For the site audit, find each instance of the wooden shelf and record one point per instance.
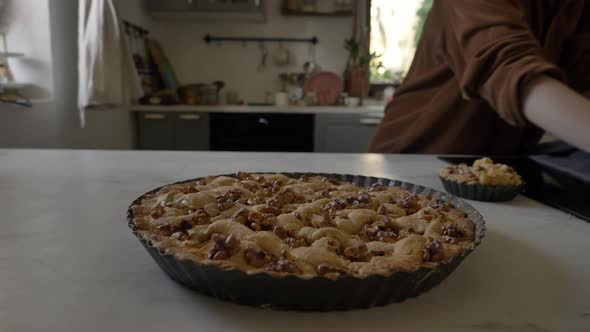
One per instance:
(287, 12)
(11, 54)
(13, 86)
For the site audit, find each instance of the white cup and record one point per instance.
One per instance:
(281, 99)
(352, 101)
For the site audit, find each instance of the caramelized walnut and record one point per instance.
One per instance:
(275, 203)
(283, 264)
(329, 271)
(198, 217)
(383, 224)
(438, 204)
(224, 246)
(357, 253)
(266, 221)
(280, 232)
(232, 242)
(255, 257)
(296, 243)
(362, 197)
(304, 178)
(450, 232)
(431, 250)
(244, 176)
(377, 253)
(409, 204)
(176, 226)
(272, 210)
(189, 190)
(377, 187)
(235, 193)
(225, 201)
(255, 226)
(335, 205)
(332, 181)
(241, 216)
(375, 234)
(256, 200)
(276, 186)
(180, 236)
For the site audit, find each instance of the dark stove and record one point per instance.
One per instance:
(556, 175)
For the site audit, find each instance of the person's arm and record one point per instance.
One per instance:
(555, 107)
(495, 57)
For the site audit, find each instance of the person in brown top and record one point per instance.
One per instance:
(489, 77)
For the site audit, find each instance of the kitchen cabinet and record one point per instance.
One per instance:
(262, 132)
(254, 129)
(207, 10)
(173, 131)
(344, 132)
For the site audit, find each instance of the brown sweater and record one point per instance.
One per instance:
(462, 93)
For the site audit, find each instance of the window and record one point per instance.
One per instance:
(396, 26)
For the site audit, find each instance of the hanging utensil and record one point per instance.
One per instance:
(311, 66)
(263, 57)
(281, 56)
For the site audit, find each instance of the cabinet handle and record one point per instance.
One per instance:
(189, 117)
(154, 116)
(371, 122)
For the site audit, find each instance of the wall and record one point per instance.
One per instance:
(105, 129)
(54, 122)
(20, 127)
(195, 61)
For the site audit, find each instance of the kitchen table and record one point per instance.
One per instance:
(68, 262)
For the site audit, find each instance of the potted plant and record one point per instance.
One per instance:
(357, 72)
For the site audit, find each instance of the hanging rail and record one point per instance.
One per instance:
(134, 27)
(209, 39)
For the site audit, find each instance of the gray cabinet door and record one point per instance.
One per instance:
(191, 131)
(155, 131)
(172, 131)
(343, 132)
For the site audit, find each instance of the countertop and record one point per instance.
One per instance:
(376, 110)
(69, 263)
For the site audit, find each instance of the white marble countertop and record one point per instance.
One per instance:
(69, 263)
(368, 109)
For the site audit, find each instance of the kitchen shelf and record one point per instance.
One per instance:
(11, 54)
(287, 12)
(13, 86)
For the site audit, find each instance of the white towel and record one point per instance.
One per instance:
(106, 72)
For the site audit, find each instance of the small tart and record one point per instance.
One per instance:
(484, 172)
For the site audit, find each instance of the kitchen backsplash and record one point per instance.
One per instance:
(197, 62)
